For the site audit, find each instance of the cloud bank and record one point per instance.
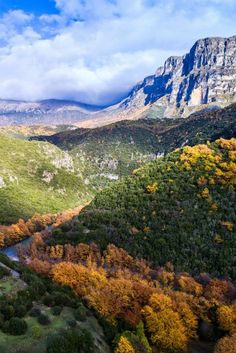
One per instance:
(94, 51)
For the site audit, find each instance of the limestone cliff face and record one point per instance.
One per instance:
(204, 76)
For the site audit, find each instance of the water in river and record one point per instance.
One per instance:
(11, 251)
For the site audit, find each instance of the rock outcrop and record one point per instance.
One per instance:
(204, 76)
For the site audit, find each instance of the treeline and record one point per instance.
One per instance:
(13, 234)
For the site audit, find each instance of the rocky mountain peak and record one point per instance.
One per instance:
(204, 76)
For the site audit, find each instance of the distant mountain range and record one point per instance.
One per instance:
(46, 112)
(205, 78)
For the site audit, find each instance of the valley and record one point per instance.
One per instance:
(118, 223)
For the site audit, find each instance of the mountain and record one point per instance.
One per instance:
(36, 177)
(47, 112)
(205, 78)
(206, 75)
(180, 208)
(108, 153)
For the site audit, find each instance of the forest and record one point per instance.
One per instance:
(152, 257)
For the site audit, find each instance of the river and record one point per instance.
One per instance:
(11, 251)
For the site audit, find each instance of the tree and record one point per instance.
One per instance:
(124, 346)
(226, 316)
(17, 326)
(142, 337)
(226, 345)
(164, 324)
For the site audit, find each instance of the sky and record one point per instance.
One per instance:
(95, 51)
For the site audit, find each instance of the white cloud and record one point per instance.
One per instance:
(112, 45)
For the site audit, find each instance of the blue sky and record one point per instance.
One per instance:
(94, 51)
(33, 6)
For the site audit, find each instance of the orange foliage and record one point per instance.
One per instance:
(226, 345)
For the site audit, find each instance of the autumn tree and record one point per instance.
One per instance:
(124, 346)
(226, 345)
(165, 326)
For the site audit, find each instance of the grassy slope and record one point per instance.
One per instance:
(21, 131)
(24, 189)
(177, 222)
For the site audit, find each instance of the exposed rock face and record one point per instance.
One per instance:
(206, 75)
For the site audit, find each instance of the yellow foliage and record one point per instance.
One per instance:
(214, 207)
(78, 277)
(189, 319)
(152, 188)
(227, 144)
(205, 193)
(2, 240)
(227, 318)
(147, 230)
(124, 346)
(189, 285)
(218, 239)
(165, 326)
(226, 345)
(228, 225)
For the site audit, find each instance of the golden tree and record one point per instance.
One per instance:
(164, 324)
(124, 346)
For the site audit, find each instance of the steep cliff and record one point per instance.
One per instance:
(204, 76)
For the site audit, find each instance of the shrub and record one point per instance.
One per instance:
(36, 332)
(58, 344)
(80, 313)
(1, 320)
(8, 311)
(4, 272)
(72, 323)
(56, 310)
(20, 311)
(61, 298)
(86, 342)
(35, 312)
(17, 326)
(48, 300)
(5, 327)
(43, 319)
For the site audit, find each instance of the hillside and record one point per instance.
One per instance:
(180, 208)
(110, 152)
(36, 177)
(39, 316)
(25, 131)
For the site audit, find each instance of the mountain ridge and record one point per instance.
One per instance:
(204, 78)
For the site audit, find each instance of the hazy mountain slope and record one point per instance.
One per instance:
(110, 152)
(180, 208)
(47, 112)
(36, 177)
(25, 131)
